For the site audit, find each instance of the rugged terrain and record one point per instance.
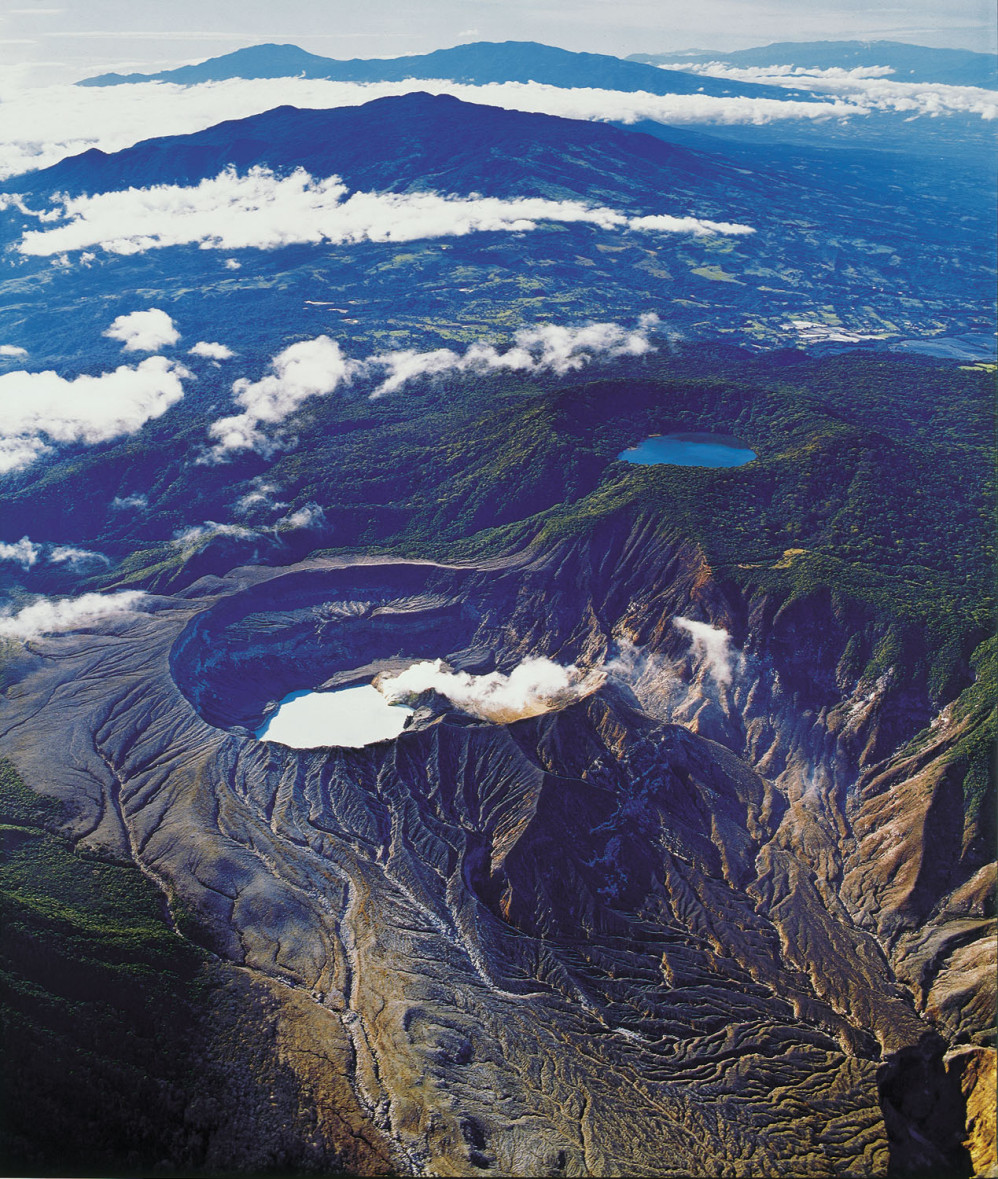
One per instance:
(749, 902)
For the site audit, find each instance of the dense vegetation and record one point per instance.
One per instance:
(97, 1000)
(123, 1044)
(873, 478)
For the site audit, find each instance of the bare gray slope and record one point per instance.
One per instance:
(592, 942)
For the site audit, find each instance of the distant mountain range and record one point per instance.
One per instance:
(910, 63)
(483, 62)
(961, 135)
(480, 64)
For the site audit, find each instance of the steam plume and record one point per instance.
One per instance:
(711, 645)
(535, 686)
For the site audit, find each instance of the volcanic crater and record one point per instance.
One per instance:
(668, 887)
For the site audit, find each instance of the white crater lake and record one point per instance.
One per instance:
(349, 716)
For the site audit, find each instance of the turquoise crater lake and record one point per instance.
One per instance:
(689, 450)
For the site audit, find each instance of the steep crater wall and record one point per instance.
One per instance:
(321, 628)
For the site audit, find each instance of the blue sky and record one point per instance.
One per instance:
(49, 40)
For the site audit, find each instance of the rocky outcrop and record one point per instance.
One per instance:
(652, 932)
(973, 1069)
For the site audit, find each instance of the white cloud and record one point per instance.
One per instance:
(12, 350)
(250, 502)
(40, 126)
(536, 686)
(777, 75)
(308, 516)
(259, 498)
(75, 558)
(868, 88)
(16, 453)
(50, 616)
(24, 551)
(545, 347)
(311, 368)
(45, 124)
(39, 408)
(318, 367)
(711, 644)
(619, 106)
(14, 200)
(211, 351)
(660, 223)
(144, 331)
(232, 264)
(198, 535)
(263, 211)
(129, 501)
(27, 554)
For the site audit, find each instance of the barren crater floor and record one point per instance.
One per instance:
(689, 924)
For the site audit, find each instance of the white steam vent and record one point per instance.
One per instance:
(711, 645)
(537, 685)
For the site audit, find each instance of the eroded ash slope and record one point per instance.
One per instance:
(700, 920)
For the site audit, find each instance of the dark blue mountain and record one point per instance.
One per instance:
(419, 141)
(911, 63)
(412, 141)
(480, 63)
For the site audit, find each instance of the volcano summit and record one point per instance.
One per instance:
(678, 859)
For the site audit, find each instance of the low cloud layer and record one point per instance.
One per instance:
(711, 645)
(868, 88)
(318, 367)
(260, 498)
(144, 331)
(23, 552)
(79, 560)
(536, 686)
(310, 368)
(41, 408)
(310, 515)
(260, 210)
(191, 539)
(119, 503)
(27, 553)
(195, 537)
(547, 347)
(46, 616)
(44, 125)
